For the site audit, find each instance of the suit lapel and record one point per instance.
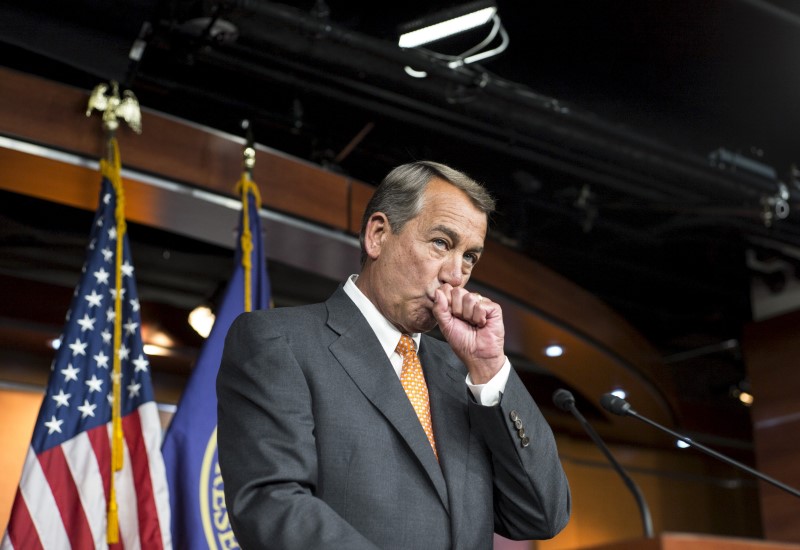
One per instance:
(447, 390)
(360, 354)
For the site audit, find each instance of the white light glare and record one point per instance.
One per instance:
(554, 351)
(446, 28)
(201, 320)
(155, 349)
(746, 398)
(55, 343)
(622, 394)
(681, 444)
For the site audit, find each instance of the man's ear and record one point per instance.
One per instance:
(375, 235)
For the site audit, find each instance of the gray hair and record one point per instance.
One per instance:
(400, 194)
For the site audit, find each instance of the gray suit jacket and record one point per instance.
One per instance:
(319, 446)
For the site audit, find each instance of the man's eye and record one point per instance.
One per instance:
(440, 243)
(471, 259)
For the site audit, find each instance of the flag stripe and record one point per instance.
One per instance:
(128, 513)
(83, 466)
(56, 471)
(148, 414)
(149, 528)
(100, 441)
(39, 503)
(21, 527)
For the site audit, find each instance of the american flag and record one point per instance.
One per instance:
(63, 495)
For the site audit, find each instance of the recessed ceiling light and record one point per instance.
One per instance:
(554, 350)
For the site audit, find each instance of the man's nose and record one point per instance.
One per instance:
(451, 273)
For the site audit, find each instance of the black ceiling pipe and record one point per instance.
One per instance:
(630, 147)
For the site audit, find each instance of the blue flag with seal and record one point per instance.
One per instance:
(199, 516)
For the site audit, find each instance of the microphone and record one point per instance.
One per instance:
(617, 405)
(565, 401)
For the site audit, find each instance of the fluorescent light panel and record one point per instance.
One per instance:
(446, 28)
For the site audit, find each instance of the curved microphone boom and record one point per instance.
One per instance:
(617, 405)
(565, 401)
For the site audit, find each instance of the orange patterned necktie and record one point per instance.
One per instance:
(413, 381)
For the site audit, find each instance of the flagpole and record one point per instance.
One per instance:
(113, 108)
(245, 187)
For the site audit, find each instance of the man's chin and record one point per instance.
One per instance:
(424, 323)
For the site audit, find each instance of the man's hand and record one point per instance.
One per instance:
(473, 326)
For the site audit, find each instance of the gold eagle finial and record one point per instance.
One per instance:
(115, 107)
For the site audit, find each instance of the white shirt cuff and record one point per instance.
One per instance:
(488, 394)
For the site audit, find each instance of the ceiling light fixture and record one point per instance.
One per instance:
(446, 23)
(454, 21)
(554, 350)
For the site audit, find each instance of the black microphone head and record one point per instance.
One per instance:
(616, 405)
(563, 399)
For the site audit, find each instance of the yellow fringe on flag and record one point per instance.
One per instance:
(112, 170)
(246, 186)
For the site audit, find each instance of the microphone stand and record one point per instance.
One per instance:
(621, 407)
(565, 401)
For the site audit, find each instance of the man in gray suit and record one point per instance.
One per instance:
(324, 443)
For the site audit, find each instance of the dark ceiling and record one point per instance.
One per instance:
(644, 150)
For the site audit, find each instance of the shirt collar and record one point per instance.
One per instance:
(386, 332)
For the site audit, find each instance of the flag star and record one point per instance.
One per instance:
(102, 276)
(130, 327)
(87, 409)
(108, 254)
(112, 233)
(116, 376)
(94, 298)
(114, 293)
(133, 390)
(87, 323)
(141, 363)
(110, 314)
(127, 269)
(102, 360)
(78, 347)
(107, 199)
(135, 304)
(110, 398)
(95, 384)
(62, 398)
(53, 425)
(123, 352)
(70, 373)
(106, 336)
(99, 222)
(92, 243)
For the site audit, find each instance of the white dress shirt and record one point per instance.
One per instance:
(487, 394)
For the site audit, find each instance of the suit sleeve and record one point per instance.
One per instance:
(531, 493)
(267, 451)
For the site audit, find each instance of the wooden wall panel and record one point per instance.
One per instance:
(771, 348)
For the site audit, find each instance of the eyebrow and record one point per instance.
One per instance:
(453, 236)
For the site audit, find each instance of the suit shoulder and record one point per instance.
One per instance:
(278, 320)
